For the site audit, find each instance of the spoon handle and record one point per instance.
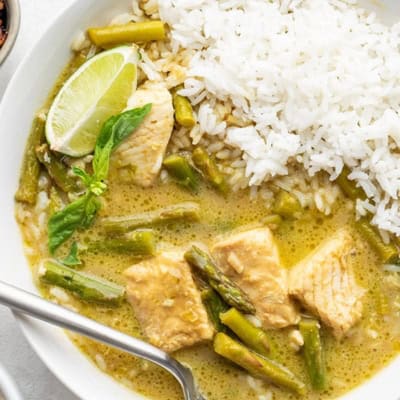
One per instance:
(27, 303)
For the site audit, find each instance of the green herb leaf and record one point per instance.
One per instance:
(97, 188)
(80, 213)
(85, 177)
(91, 207)
(114, 131)
(72, 259)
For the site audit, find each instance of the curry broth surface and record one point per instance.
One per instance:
(349, 362)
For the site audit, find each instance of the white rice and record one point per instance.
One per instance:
(80, 42)
(60, 294)
(268, 396)
(254, 320)
(318, 79)
(100, 361)
(259, 387)
(372, 333)
(296, 340)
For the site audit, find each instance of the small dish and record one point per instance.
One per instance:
(12, 24)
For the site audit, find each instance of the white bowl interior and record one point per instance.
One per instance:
(26, 93)
(8, 388)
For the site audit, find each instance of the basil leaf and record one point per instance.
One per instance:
(85, 177)
(92, 205)
(78, 214)
(72, 259)
(81, 213)
(114, 131)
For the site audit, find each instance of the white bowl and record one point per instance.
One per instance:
(26, 93)
(8, 388)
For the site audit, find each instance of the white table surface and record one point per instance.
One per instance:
(35, 381)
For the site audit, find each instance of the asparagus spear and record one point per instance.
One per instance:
(56, 169)
(388, 252)
(136, 243)
(252, 336)
(184, 115)
(181, 211)
(349, 187)
(313, 353)
(231, 293)
(55, 203)
(28, 182)
(131, 32)
(183, 173)
(256, 364)
(210, 169)
(286, 205)
(86, 286)
(215, 306)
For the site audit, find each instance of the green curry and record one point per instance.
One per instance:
(364, 350)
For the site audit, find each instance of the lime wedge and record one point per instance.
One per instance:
(99, 89)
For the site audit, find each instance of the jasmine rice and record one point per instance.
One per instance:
(319, 84)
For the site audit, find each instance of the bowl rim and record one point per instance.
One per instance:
(14, 16)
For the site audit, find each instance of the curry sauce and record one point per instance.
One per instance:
(366, 349)
(349, 362)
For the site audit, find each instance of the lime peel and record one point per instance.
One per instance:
(99, 89)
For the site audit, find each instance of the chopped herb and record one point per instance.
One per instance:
(72, 259)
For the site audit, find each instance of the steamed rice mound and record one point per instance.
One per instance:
(312, 82)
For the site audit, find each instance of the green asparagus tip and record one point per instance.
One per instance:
(257, 365)
(227, 289)
(182, 172)
(313, 353)
(207, 165)
(251, 335)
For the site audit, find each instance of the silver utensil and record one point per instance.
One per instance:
(27, 303)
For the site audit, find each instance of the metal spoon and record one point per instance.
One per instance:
(35, 306)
